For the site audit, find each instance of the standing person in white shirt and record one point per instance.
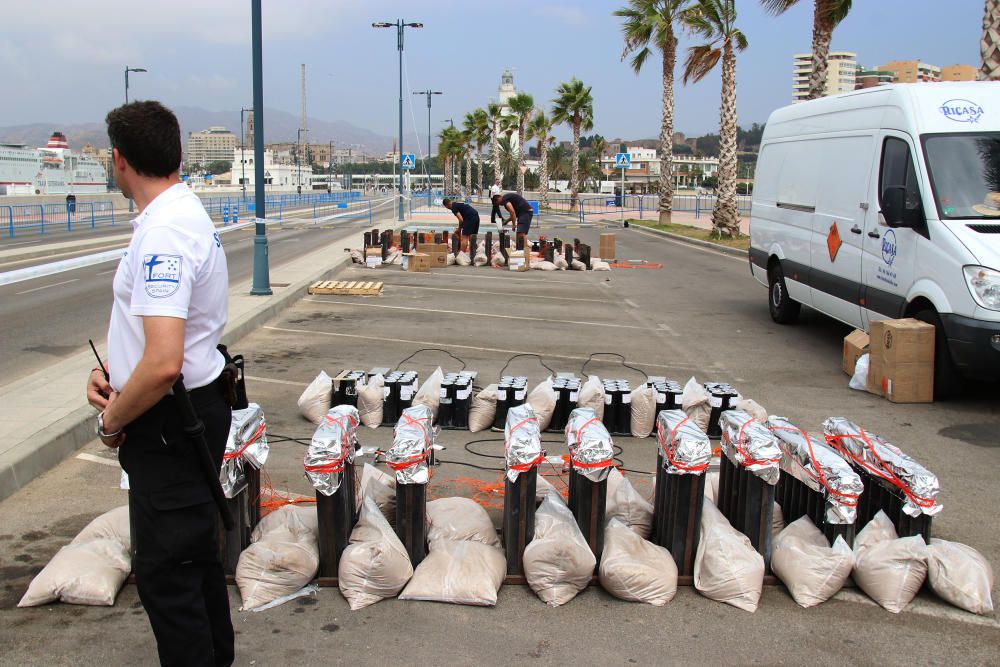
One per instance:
(495, 190)
(170, 308)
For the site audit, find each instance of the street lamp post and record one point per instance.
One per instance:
(400, 26)
(427, 161)
(243, 161)
(261, 272)
(329, 170)
(298, 164)
(127, 70)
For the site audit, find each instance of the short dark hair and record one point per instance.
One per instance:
(496, 197)
(148, 136)
(445, 202)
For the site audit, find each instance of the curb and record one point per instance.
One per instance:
(61, 439)
(735, 252)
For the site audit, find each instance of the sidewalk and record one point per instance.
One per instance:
(45, 417)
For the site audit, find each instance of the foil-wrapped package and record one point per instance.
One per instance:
(247, 443)
(522, 441)
(751, 445)
(919, 486)
(411, 443)
(810, 460)
(332, 446)
(590, 446)
(686, 449)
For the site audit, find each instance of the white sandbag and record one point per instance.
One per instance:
(542, 488)
(889, 569)
(375, 565)
(458, 573)
(643, 411)
(542, 400)
(483, 409)
(577, 265)
(803, 559)
(89, 570)
(712, 486)
(726, 567)
(859, 380)
(560, 262)
(543, 265)
(636, 570)
(314, 402)
(695, 403)
(600, 266)
(450, 261)
(777, 520)
(558, 563)
(960, 575)
(381, 487)
(625, 504)
(459, 519)
(463, 259)
(752, 408)
(371, 399)
(283, 558)
(429, 393)
(592, 396)
(498, 259)
(357, 257)
(480, 258)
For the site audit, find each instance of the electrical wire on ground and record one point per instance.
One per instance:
(583, 368)
(431, 349)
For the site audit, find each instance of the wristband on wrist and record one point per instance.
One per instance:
(100, 428)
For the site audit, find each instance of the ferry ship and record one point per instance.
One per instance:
(54, 169)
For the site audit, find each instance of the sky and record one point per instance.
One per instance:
(63, 61)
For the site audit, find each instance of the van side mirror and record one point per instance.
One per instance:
(894, 205)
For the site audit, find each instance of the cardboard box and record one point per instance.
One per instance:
(607, 247)
(438, 253)
(855, 345)
(901, 366)
(416, 262)
(372, 252)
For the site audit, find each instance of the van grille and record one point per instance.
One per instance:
(985, 229)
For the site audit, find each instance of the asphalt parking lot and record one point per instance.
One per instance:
(701, 315)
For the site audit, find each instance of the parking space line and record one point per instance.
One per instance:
(93, 458)
(924, 608)
(35, 289)
(437, 343)
(508, 294)
(494, 315)
(256, 378)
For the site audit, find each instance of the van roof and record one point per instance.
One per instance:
(917, 108)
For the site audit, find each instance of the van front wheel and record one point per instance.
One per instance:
(947, 379)
(783, 309)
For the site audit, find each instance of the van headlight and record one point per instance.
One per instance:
(985, 286)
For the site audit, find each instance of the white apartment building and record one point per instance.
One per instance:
(841, 74)
(211, 145)
(643, 175)
(278, 175)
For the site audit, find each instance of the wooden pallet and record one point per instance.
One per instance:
(342, 287)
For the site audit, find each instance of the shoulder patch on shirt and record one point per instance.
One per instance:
(161, 274)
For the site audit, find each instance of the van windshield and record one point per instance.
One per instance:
(965, 174)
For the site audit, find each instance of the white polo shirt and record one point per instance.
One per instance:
(495, 190)
(174, 267)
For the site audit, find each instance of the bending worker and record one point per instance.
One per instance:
(468, 220)
(170, 307)
(517, 208)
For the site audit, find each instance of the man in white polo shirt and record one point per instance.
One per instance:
(495, 190)
(170, 308)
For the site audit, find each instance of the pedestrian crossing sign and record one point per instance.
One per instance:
(408, 161)
(623, 160)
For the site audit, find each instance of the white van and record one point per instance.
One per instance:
(885, 203)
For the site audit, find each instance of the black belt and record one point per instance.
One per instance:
(210, 391)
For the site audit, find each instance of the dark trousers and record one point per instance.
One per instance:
(494, 213)
(177, 569)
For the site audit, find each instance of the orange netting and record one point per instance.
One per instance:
(636, 264)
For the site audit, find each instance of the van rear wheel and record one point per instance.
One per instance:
(947, 379)
(783, 309)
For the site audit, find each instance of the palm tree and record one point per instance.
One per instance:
(652, 21)
(540, 128)
(575, 106)
(494, 118)
(827, 14)
(507, 127)
(468, 142)
(557, 161)
(715, 20)
(599, 146)
(450, 146)
(989, 46)
(480, 128)
(521, 105)
(507, 154)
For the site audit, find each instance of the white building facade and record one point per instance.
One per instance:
(841, 74)
(278, 175)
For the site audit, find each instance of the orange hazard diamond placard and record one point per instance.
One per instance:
(833, 242)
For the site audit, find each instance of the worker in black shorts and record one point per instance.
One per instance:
(468, 220)
(518, 209)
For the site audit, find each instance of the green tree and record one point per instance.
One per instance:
(558, 162)
(715, 21)
(540, 129)
(521, 105)
(494, 118)
(574, 105)
(218, 166)
(508, 159)
(651, 22)
(478, 123)
(827, 14)
(599, 147)
(451, 146)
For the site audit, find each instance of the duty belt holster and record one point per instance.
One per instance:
(232, 379)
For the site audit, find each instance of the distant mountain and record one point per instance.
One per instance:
(279, 126)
